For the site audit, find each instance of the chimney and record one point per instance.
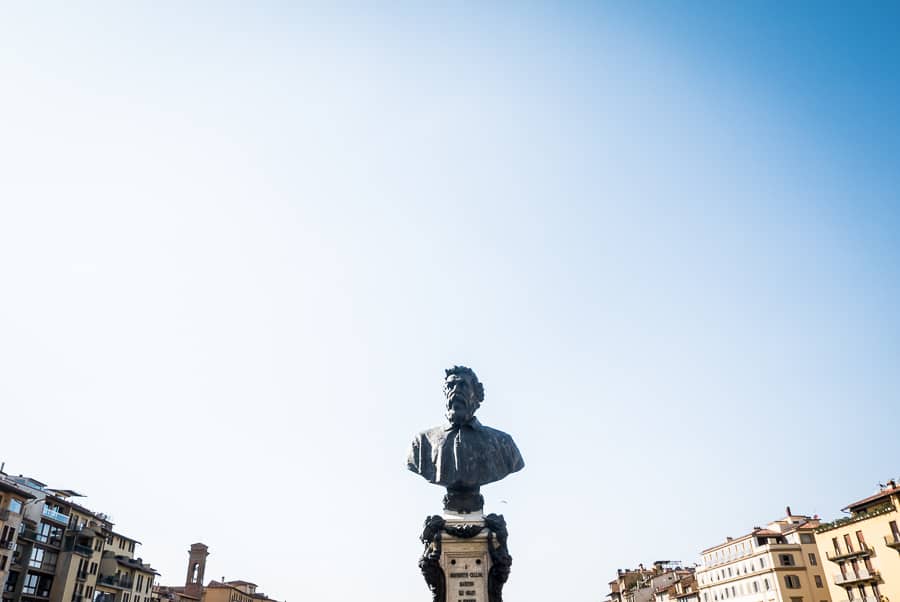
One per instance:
(788, 510)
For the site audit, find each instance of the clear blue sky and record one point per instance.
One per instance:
(240, 242)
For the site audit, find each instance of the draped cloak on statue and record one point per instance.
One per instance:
(464, 457)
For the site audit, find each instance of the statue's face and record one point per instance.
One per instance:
(461, 401)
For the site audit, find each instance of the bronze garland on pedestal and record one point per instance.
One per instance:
(430, 561)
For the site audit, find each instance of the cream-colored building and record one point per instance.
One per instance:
(78, 561)
(64, 552)
(863, 549)
(657, 584)
(12, 508)
(123, 578)
(778, 563)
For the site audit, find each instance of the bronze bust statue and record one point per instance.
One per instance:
(463, 455)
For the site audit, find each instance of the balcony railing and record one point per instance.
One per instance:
(35, 592)
(866, 599)
(55, 515)
(837, 555)
(81, 575)
(892, 541)
(122, 581)
(862, 575)
(53, 540)
(46, 567)
(7, 544)
(4, 514)
(80, 549)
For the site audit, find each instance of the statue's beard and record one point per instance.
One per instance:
(458, 411)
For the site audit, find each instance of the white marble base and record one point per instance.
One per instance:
(465, 562)
(463, 517)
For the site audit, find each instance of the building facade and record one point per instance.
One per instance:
(863, 549)
(778, 563)
(193, 589)
(12, 507)
(63, 552)
(656, 584)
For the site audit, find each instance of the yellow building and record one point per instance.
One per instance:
(78, 562)
(63, 552)
(778, 563)
(12, 506)
(123, 578)
(863, 549)
(232, 591)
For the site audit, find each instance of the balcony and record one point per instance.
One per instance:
(55, 515)
(7, 544)
(120, 581)
(862, 575)
(83, 550)
(31, 535)
(892, 541)
(34, 592)
(4, 514)
(866, 599)
(837, 555)
(44, 567)
(81, 575)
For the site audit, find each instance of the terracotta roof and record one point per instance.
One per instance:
(766, 533)
(173, 589)
(229, 585)
(807, 524)
(887, 492)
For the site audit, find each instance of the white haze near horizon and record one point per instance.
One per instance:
(240, 243)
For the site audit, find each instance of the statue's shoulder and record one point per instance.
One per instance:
(503, 443)
(496, 433)
(431, 435)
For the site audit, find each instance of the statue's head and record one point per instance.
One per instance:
(464, 394)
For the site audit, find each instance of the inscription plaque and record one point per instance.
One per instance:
(466, 573)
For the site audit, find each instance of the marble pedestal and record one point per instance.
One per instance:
(465, 557)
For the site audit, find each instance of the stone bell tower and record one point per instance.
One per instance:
(193, 584)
